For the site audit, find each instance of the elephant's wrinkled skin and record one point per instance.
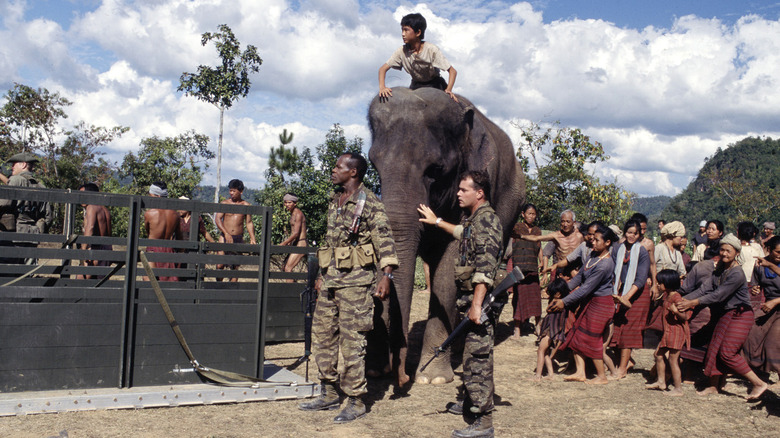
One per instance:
(421, 141)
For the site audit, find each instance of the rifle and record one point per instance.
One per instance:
(514, 277)
(308, 303)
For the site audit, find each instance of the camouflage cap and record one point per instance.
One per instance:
(24, 157)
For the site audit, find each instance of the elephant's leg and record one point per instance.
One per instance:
(400, 306)
(442, 314)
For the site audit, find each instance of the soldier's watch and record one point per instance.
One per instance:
(438, 221)
(388, 275)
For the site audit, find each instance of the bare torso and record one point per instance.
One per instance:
(162, 224)
(565, 244)
(97, 221)
(297, 229)
(232, 224)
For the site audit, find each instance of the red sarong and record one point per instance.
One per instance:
(629, 323)
(586, 337)
(730, 333)
(162, 265)
(527, 298)
(676, 332)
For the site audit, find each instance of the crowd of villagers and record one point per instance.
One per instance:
(611, 290)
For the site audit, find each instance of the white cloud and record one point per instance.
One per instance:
(660, 100)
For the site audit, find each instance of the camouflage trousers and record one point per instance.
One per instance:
(342, 318)
(478, 366)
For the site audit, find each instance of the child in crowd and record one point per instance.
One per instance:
(551, 331)
(676, 332)
(422, 60)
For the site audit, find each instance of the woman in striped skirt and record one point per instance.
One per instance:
(726, 294)
(631, 295)
(593, 284)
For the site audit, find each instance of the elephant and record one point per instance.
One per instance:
(421, 141)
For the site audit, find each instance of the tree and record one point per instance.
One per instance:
(310, 181)
(560, 179)
(178, 161)
(224, 84)
(30, 122)
(739, 183)
(79, 158)
(283, 160)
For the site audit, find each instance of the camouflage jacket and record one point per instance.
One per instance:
(27, 213)
(479, 246)
(348, 260)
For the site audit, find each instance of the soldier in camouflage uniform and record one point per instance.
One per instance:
(24, 216)
(479, 237)
(357, 243)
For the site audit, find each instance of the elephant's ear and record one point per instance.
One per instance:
(468, 117)
(478, 151)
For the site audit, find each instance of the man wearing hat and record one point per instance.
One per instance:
(19, 215)
(297, 235)
(667, 253)
(769, 232)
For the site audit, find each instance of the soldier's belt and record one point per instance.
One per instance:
(348, 257)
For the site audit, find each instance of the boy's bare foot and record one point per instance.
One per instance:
(549, 378)
(688, 382)
(597, 381)
(674, 392)
(708, 390)
(574, 378)
(617, 376)
(534, 379)
(656, 385)
(757, 391)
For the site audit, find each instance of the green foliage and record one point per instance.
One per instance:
(30, 120)
(739, 183)
(283, 160)
(178, 161)
(224, 84)
(651, 206)
(561, 181)
(310, 181)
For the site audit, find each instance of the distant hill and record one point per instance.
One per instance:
(651, 206)
(740, 182)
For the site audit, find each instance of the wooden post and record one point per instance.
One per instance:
(127, 343)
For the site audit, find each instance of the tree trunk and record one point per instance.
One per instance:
(219, 154)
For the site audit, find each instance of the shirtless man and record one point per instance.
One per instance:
(566, 240)
(297, 231)
(97, 222)
(162, 225)
(232, 224)
(649, 245)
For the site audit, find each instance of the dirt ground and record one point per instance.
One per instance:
(524, 408)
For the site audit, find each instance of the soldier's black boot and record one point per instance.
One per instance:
(482, 427)
(328, 399)
(354, 409)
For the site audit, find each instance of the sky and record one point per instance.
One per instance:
(662, 84)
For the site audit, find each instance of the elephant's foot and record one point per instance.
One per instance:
(436, 374)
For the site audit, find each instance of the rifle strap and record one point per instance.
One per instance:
(226, 378)
(355, 227)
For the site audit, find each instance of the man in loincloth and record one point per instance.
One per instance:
(232, 224)
(97, 222)
(566, 240)
(163, 225)
(297, 235)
